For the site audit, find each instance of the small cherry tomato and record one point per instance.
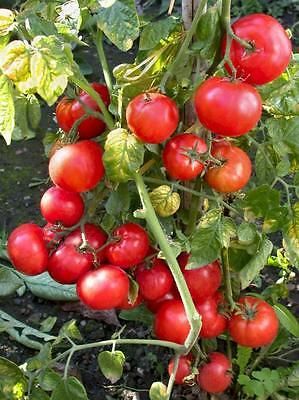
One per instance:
(215, 376)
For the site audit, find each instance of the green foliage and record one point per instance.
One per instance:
(287, 319)
(69, 389)
(111, 364)
(158, 391)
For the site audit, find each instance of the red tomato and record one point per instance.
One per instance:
(226, 107)
(68, 111)
(27, 249)
(181, 156)
(270, 55)
(52, 235)
(213, 323)
(154, 305)
(154, 281)
(255, 325)
(77, 167)
(184, 368)
(103, 288)
(61, 206)
(215, 376)
(67, 264)
(153, 117)
(235, 172)
(131, 246)
(171, 322)
(203, 282)
(126, 305)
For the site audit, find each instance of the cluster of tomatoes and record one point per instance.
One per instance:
(102, 267)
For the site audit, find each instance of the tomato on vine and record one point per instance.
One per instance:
(213, 322)
(184, 368)
(215, 375)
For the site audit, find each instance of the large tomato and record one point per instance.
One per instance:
(59, 205)
(215, 376)
(255, 324)
(213, 322)
(77, 167)
(154, 305)
(181, 156)
(184, 368)
(130, 247)
(103, 288)
(171, 322)
(226, 107)
(271, 52)
(68, 111)
(235, 171)
(27, 249)
(154, 281)
(153, 117)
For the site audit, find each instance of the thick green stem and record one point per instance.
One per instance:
(183, 49)
(98, 38)
(81, 82)
(172, 376)
(227, 279)
(157, 231)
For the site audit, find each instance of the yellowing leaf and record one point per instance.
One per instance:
(7, 18)
(165, 201)
(7, 109)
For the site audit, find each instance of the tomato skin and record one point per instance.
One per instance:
(68, 111)
(77, 167)
(178, 164)
(126, 305)
(171, 322)
(234, 174)
(154, 282)
(259, 329)
(59, 205)
(52, 235)
(131, 248)
(27, 249)
(154, 305)
(67, 264)
(104, 288)
(214, 376)
(184, 368)
(272, 49)
(228, 108)
(213, 323)
(152, 117)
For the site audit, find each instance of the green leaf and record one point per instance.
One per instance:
(49, 379)
(284, 134)
(3, 41)
(38, 394)
(48, 324)
(133, 290)
(69, 389)
(13, 383)
(265, 164)
(119, 21)
(256, 263)
(228, 231)
(293, 379)
(118, 201)
(9, 281)
(70, 330)
(138, 314)
(287, 319)
(7, 109)
(41, 359)
(243, 357)
(22, 130)
(246, 233)
(33, 111)
(158, 391)
(111, 364)
(291, 236)
(7, 18)
(154, 32)
(37, 26)
(123, 155)
(260, 200)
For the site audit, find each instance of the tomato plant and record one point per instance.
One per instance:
(215, 375)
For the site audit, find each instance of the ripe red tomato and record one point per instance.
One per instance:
(184, 368)
(226, 107)
(61, 206)
(67, 264)
(215, 376)
(203, 282)
(27, 249)
(154, 281)
(255, 325)
(131, 246)
(103, 288)
(153, 117)
(154, 305)
(181, 156)
(171, 322)
(52, 235)
(213, 322)
(68, 111)
(235, 172)
(270, 55)
(77, 167)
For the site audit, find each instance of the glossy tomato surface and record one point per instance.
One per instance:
(213, 322)
(215, 376)
(154, 305)
(235, 171)
(152, 117)
(255, 325)
(184, 368)
(104, 288)
(77, 167)
(27, 249)
(271, 53)
(130, 247)
(182, 154)
(226, 107)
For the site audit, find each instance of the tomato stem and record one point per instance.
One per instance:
(227, 279)
(172, 376)
(195, 206)
(98, 39)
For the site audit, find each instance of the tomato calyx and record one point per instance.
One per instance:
(247, 311)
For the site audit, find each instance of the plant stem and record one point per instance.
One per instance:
(157, 231)
(183, 49)
(98, 38)
(227, 279)
(66, 368)
(81, 82)
(260, 357)
(194, 209)
(172, 376)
